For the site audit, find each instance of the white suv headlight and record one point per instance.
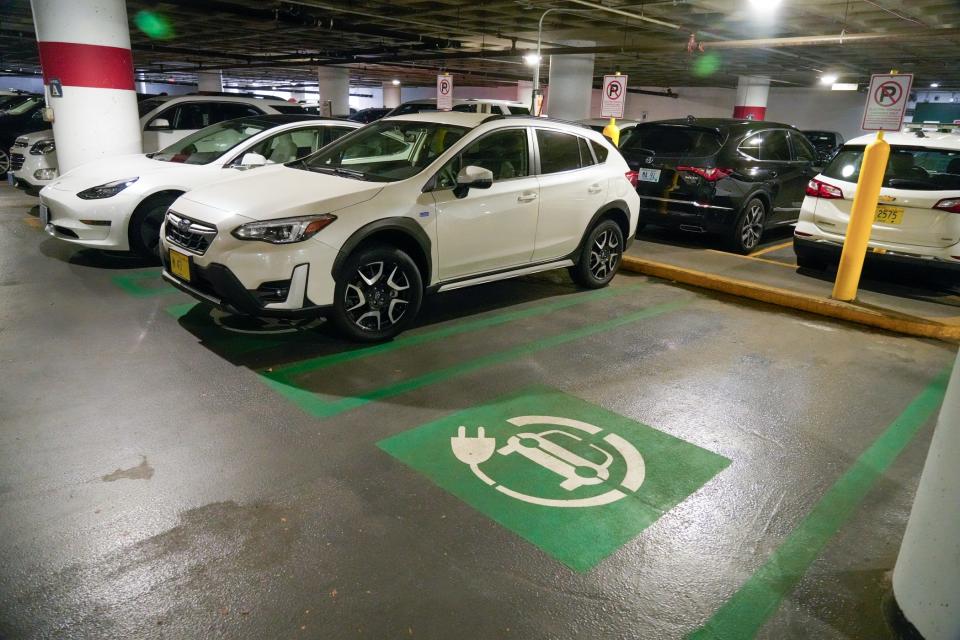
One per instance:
(284, 230)
(43, 147)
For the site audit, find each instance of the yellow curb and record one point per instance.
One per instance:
(866, 315)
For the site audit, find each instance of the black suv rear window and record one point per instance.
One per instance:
(916, 168)
(674, 140)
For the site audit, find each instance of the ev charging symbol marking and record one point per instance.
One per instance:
(545, 449)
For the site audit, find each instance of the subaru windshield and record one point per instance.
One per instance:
(210, 143)
(385, 151)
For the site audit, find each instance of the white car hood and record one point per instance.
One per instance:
(275, 192)
(109, 169)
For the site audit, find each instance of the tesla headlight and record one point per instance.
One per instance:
(107, 190)
(43, 147)
(284, 230)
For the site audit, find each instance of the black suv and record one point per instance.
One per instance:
(736, 178)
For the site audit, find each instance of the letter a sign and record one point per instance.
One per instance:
(614, 97)
(445, 92)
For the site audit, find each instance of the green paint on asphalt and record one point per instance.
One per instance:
(143, 285)
(741, 617)
(177, 311)
(624, 494)
(320, 407)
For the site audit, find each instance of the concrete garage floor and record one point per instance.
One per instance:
(165, 476)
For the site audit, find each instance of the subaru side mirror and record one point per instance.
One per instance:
(473, 177)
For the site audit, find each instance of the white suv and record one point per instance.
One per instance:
(468, 105)
(917, 219)
(429, 202)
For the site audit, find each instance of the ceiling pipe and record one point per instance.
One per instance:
(625, 14)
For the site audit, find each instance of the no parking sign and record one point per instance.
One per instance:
(887, 101)
(445, 92)
(614, 98)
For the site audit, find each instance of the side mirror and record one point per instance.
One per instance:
(250, 160)
(473, 177)
(159, 123)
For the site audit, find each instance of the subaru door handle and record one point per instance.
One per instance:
(526, 197)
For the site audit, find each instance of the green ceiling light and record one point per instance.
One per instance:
(707, 64)
(154, 25)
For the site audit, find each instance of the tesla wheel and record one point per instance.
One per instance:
(600, 257)
(378, 294)
(748, 228)
(4, 162)
(143, 231)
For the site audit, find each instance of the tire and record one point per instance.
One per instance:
(4, 163)
(600, 256)
(143, 231)
(748, 228)
(377, 283)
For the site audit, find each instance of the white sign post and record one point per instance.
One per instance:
(445, 92)
(887, 101)
(614, 98)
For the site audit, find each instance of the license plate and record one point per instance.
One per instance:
(180, 265)
(44, 214)
(649, 175)
(889, 215)
(10, 179)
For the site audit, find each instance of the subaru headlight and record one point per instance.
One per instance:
(43, 147)
(107, 190)
(284, 230)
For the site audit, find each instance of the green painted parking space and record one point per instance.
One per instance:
(143, 284)
(570, 477)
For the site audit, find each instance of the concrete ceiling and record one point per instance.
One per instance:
(482, 42)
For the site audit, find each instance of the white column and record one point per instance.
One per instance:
(926, 579)
(570, 88)
(524, 91)
(209, 81)
(391, 94)
(752, 92)
(334, 85)
(85, 44)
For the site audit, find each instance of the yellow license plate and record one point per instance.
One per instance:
(888, 215)
(180, 265)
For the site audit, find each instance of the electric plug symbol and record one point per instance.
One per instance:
(472, 451)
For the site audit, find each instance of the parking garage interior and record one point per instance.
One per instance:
(539, 319)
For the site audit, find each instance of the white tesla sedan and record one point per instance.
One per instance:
(406, 205)
(119, 203)
(917, 219)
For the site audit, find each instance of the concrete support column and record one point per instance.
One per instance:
(525, 91)
(752, 92)
(334, 85)
(926, 579)
(85, 45)
(391, 94)
(209, 81)
(570, 88)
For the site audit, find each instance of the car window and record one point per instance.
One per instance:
(775, 146)
(558, 151)
(470, 107)
(385, 151)
(802, 148)
(146, 106)
(289, 145)
(519, 111)
(673, 140)
(504, 153)
(626, 134)
(210, 143)
(586, 158)
(600, 151)
(333, 133)
(915, 168)
(292, 108)
(230, 110)
(194, 115)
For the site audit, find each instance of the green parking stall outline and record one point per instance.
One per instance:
(134, 284)
(579, 537)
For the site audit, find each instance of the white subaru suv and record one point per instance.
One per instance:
(917, 219)
(361, 230)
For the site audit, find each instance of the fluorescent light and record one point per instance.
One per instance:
(934, 85)
(765, 5)
(395, 82)
(531, 59)
(845, 86)
(829, 78)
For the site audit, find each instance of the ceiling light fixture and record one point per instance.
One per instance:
(395, 82)
(531, 59)
(934, 85)
(829, 78)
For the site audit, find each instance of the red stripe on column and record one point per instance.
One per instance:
(87, 65)
(750, 113)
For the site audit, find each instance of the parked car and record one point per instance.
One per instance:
(119, 203)
(21, 116)
(33, 161)
(469, 105)
(429, 202)
(627, 127)
(736, 178)
(827, 143)
(917, 220)
(372, 114)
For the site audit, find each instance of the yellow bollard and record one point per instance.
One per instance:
(872, 169)
(612, 131)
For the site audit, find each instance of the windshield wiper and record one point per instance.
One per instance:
(337, 171)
